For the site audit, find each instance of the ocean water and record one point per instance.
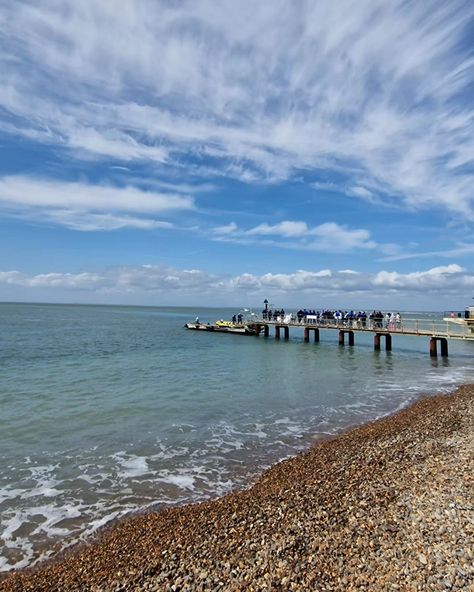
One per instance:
(106, 410)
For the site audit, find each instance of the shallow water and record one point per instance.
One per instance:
(105, 410)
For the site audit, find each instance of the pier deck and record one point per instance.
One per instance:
(437, 331)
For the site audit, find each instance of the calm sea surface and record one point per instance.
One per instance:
(105, 410)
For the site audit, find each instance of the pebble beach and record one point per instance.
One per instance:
(385, 506)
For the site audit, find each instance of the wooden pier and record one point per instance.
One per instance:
(440, 331)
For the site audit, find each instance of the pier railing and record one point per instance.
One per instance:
(406, 326)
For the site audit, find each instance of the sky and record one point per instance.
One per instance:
(311, 153)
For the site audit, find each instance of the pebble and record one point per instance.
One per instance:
(385, 506)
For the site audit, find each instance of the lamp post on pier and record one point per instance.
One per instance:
(265, 311)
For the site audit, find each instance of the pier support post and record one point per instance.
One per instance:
(341, 337)
(266, 331)
(377, 342)
(444, 347)
(287, 333)
(277, 332)
(388, 341)
(434, 349)
(307, 331)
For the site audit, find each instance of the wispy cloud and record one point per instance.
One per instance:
(329, 237)
(84, 206)
(86, 221)
(461, 249)
(368, 88)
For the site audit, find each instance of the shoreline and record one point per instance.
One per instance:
(387, 505)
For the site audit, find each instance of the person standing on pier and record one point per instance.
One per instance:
(392, 322)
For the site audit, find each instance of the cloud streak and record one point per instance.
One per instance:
(368, 88)
(83, 206)
(327, 237)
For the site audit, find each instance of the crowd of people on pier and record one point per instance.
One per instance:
(273, 315)
(344, 318)
(357, 319)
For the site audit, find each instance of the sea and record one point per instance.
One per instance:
(107, 410)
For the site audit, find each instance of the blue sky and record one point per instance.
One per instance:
(219, 153)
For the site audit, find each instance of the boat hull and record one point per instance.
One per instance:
(235, 330)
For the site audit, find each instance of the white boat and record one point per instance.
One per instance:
(465, 319)
(222, 327)
(198, 326)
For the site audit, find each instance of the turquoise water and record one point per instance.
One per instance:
(106, 410)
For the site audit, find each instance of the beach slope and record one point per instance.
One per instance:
(385, 506)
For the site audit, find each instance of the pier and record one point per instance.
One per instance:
(437, 331)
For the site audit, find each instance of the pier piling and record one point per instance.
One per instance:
(307, 331)
(342, 332)
(441, 334)
(388, 341)
(433, 347)
(286, 331)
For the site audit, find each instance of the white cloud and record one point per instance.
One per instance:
(34, 192)
(226, 229)
(436, 278)
(83, 206)
(114, 144)
(367, 88)
(337, 237)
(460, 249)
(91, 222)
(300, 280)
(287, 228)
(362, 192)
(325, 283)
(327, 237)
(79, 281)
(120, 280)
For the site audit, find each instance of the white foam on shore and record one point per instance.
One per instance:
(132, 466)
(175, 470)
(289, 427)
(169, 452)
(181, 481)
(9, 494)
(90, 479)
(26, 549)
(42, 520)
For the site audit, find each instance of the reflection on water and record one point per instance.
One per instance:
(382, 362)
(440, 362)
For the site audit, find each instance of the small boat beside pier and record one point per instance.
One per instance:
(222, 327)
(462, 319)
